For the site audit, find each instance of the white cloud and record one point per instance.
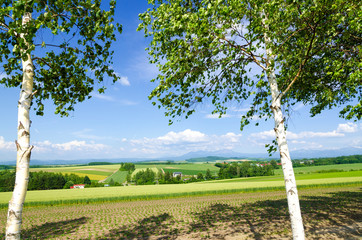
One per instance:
(124, 81)
(112, 99)
(81, 146)
(182, 137)
(87, 134)
(263, 135)
(231, 137)
(127, 102)
(104, 97)
(309, 134)
(292, 136)
(4, 145)
(75, 145)
(235, 109)
(216, 116)
(347, 127)
(174, 143)
(306, 146)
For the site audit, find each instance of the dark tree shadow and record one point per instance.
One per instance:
(336, 215)
(54, 229)
(332, 216)
(160, 225)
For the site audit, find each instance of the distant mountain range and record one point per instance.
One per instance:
(223, 153)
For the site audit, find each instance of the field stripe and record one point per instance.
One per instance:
(162, 191)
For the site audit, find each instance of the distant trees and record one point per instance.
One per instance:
(99, 163)
(208, 175)
(338, 160)
(129, 167)
(244, 169)
(42, 180)
(327, 161)
(68, 184)
(200, 176)
(87, 180)
(167, 178)
(46, 180)
(274, 164)
(144, 177)
(7, 180)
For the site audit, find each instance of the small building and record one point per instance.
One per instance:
(175, 174)
(78, 186)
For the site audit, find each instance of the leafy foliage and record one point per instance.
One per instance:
(69, 43)
(129, 167)
(245, 169)
(208, 51)
(144, 177)
(42, 180)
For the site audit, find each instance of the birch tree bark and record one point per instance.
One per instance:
(14, 219)
(65, 71)
(206, 50)
(280, 133)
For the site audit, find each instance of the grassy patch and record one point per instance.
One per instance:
(138, 169)
(306, 170)
(119, 176)
(91, 176)
(96, 172)
(328, 213)
(66, 196)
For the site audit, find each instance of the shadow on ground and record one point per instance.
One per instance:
(325, 217)
(160, 225)
(54, 229)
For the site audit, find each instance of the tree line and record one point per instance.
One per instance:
(328, 161)
(245, 169)
(43, 180)
(226, 171)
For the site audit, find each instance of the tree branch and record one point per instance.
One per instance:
(42, 60)
(301, 65)
(246, 52)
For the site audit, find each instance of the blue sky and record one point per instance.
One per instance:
(123, 123)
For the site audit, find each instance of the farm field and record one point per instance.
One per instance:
(186, 169)
(119, 176)
(94, 172)
(312, 175)
(102, 172)
(328, 213)
(306, 170)
(173, 190)
(138, 169)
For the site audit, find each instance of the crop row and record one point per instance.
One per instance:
(82, 199)
(264, 215)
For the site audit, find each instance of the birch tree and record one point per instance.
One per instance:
(271, 54)
(56, 50)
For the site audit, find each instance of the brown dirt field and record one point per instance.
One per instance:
(328, 213)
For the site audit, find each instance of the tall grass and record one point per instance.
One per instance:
(176, 195)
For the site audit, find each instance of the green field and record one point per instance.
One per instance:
(138, 169)
(234, 208)
(94, 172)
(305, 170)
(119, 176)
(186, 169)
(328, 213)
(103, 172)
(309, 176)
(154, 191)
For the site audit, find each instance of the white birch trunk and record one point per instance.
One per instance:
(280, 133)
(13, 226)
